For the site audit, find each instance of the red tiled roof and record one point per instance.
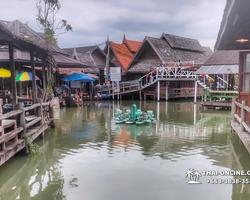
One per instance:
(133, 45)
(122, 53)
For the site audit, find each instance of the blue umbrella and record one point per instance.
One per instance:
(78, 77)
(65, 87)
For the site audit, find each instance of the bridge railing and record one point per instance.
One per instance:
(160, 73)
(243, 111)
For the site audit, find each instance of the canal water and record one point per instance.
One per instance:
(88, 157)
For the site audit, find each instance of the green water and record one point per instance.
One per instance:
(88, 157)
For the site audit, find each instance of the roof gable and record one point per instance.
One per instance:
(133, 46)
(122, 53)
(177, 42)
(24, 31)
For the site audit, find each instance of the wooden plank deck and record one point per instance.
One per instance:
(223, 92)
(217, 104)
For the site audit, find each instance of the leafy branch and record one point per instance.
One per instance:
(48, 22)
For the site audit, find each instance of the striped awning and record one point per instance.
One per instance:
(218, 69)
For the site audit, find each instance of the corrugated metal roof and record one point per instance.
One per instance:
(218, 69)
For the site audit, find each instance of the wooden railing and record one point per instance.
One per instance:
(16, 125)
(244, 110)
(160, 74)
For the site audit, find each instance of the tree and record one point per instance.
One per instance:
(49, 23)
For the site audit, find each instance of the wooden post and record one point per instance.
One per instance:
(22, 122)
(113, 90)
(118, 88)
(34, 92)
(195, 92)
(13, 76)
(20, 82)
(233, 110)
(158, 91)
(145, 96)
(40, 114)
(243, 115)
(140, 95)
(44, 77)
(166, 90)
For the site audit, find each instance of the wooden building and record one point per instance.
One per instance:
(168, 48)
(122, 54)
(24, 123)
(234, 35)
(92, 56)
(222, 66)
(60, 58)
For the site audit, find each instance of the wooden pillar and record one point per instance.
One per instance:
(44, 77)
(158, 91)
(233, 110)
(34, 89)
(195, 92)
(145, 96)
(140, 95)
(13, 76)
(243, 115)
(20, 82)
(113, 90)
(166, 90)
(22, 122)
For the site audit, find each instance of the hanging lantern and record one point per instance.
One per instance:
(140, 80)
(173, 64)
(154, 71)
(172, 68)
(147, 75)
(202, 75)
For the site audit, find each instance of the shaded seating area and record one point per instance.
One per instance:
(21, 121)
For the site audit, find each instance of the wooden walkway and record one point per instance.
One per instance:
(145, 82)
(239, 123)
(29, 122)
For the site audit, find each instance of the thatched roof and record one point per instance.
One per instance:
(24, 56)
(6, 35)
(82, 50)
(182, 43)
(23, 31)
(85, 55)
(235, 25)
(223, 57)
(167, 49)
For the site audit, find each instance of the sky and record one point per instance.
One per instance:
(94, 20)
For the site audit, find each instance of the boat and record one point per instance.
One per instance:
(119, 122)
(140, 122)
(129, 122)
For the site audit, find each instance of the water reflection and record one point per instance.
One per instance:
(88, 155)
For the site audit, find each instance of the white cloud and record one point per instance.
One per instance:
(93, 20)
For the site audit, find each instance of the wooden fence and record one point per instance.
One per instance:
(16, 125)
(244, 110)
